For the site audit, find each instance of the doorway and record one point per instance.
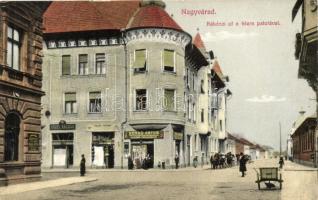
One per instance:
(140, 150)
(11, 137)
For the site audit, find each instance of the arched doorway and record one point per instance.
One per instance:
(11, 137)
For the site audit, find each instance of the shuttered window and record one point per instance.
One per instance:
(95, 102)
(100, 64)
(66, 65)
(140, 60)
(169, 103)
(70, 103)
(82, 64)
(168, 60)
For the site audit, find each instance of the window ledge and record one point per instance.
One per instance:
(70, 114)
(140, 111)
(169, 72)
(90, 113)
(142, 72)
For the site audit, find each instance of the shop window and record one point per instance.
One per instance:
(66, 65)
(70, 103)
(13, 48)
(168, 61)
(140, 62)
(11, 137)
(100, 67)
(95, 102)
(63, 151)
(141, 99)
(169, 100)
(83, 64)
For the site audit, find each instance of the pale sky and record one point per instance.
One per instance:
(259, 61)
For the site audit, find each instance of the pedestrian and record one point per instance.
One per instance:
(130, 163)
(176, 159)
(242, 164)
(281, 162)
(211, 161)
(82, 166)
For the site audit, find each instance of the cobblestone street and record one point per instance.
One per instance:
(187, 183)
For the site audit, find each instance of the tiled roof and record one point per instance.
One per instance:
(78, 16)
(153, 16)
(217, 69)
(198, 41)
(75, 16)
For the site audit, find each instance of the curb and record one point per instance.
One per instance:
(26, 187)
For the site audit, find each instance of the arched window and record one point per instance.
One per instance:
(11, 137)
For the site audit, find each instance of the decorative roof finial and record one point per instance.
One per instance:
(159, 3)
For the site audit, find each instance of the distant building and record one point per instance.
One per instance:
(20, 94)
(303, 137)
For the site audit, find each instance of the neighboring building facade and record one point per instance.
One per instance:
(120, 86)
(20, 90)
(303, 138)
(307, 51)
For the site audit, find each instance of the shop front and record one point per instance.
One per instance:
(103, 154)
(142, 146)
(62, 149)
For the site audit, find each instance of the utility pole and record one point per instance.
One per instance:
(280, 139)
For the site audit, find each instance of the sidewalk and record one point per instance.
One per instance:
(64, 170)
(25, 187)
(291, 166)
(300, 182)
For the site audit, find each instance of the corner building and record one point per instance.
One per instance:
(20, 90)
(115, 82)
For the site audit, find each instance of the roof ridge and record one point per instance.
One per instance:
(131, 19)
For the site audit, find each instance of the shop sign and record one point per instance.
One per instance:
(33, 142)
(144, 135)
(177, 136)
(62, 126)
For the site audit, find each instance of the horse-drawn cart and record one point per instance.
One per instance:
(268, 174)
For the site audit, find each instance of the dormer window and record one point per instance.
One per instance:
(13, 48)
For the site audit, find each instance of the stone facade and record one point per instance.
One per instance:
(20, 90)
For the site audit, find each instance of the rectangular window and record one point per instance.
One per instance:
(100, 67)
(169, 100)
(202, 86)
(70, 105)
(66, 65)
(140, 62)
(82, 64)
(202, 115)
(187, 77)
(194, 113)
(13, 48)
(95, 102)
(193, 84)
(221, 125)
(168, 61)
(141, 99)
(188, 110)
